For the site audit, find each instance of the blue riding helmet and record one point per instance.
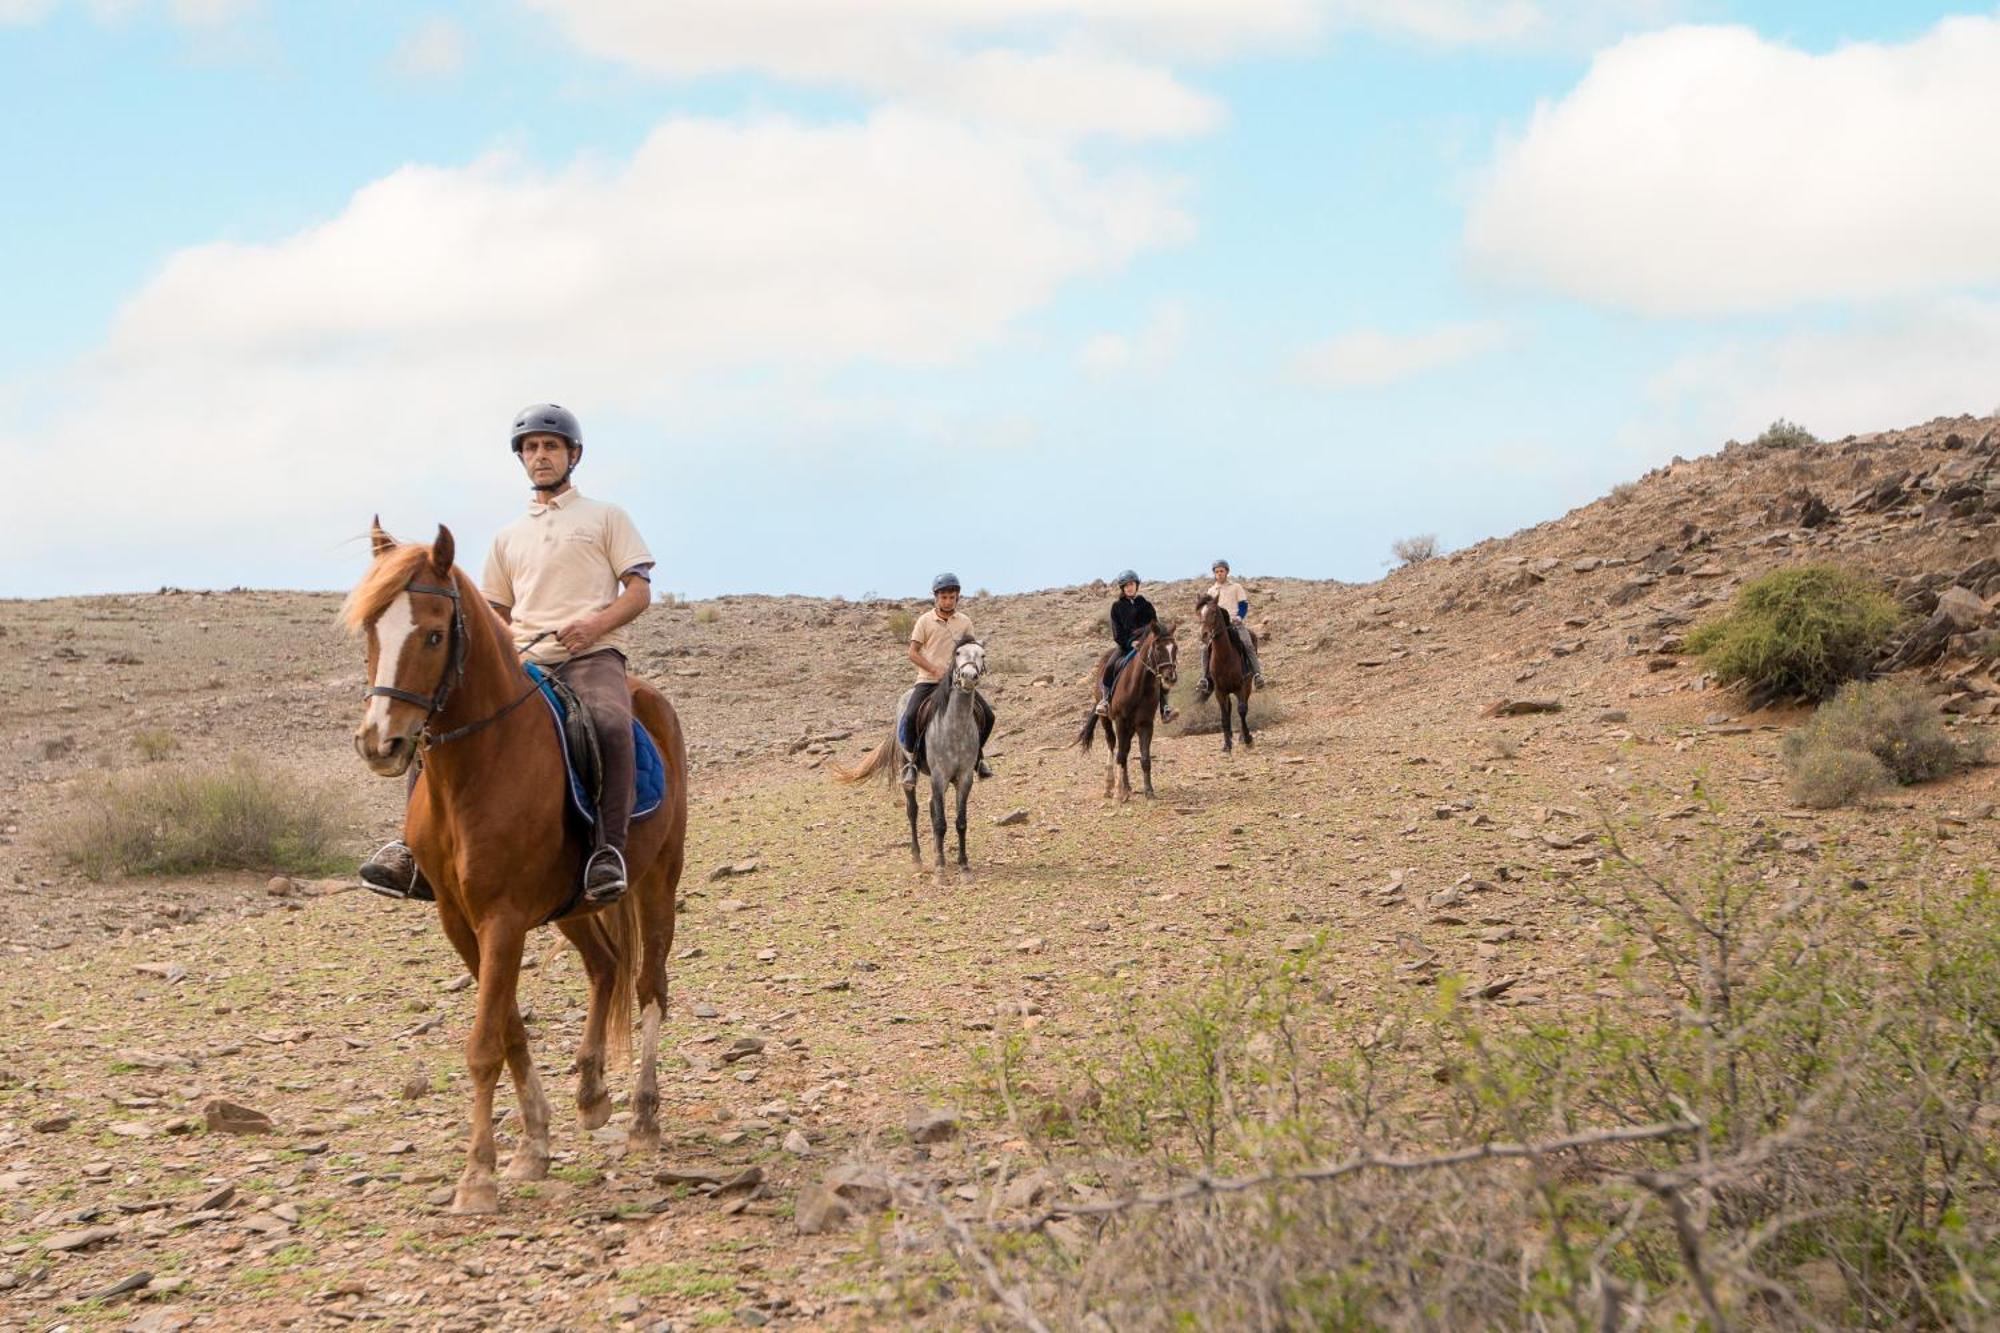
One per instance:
(546, 419)
(1126, 577)
(1220, 564)
(944, 583)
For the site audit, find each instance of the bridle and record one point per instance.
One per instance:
(454, 672)
(958, 677)
(1153, 665)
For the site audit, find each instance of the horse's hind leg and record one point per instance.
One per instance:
(1228, 741)
(593, 1100)
(656, 915)
(1146, 757)
(1243, 712)
(1110, 759)
(485, 1050)
(1124, 766)
(916, 849)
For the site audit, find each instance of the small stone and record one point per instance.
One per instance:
(1297, 943)
(767, 955)
(931, 1124)
(703, 1009)
(1011, 819)
(167, 972)
(797, 1144)
(228, 1118)
(64, 1242)
(54, 1124)
(742, 1047)
(1032, 944)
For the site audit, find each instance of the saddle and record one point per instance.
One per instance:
(583, 761)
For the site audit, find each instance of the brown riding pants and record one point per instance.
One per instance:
(599, 680)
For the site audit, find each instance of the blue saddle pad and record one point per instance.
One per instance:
(649, 788)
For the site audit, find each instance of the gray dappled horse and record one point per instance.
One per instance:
(951, 749)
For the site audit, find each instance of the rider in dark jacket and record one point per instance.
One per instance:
(1130, 615)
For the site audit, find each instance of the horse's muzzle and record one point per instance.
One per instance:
(389, 761)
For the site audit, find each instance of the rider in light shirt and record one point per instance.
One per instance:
(1233, 598)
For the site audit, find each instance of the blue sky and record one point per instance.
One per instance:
(845, 291)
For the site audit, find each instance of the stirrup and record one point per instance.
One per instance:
(606, 890)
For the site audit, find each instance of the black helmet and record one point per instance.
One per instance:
(944, 583)
(1220, 564)
(546, 419)
(1127, 577)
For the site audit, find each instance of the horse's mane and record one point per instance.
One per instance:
(964, 639)
(380, 585)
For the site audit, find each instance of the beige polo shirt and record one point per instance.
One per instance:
(559, 562)
(1228, 594)
(937, 640)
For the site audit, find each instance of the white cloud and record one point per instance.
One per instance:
(370, 356)
(1368, 358)
(1153, 347)
(1707, 170)
(24, 11)
(434, 49)
(1897, 366)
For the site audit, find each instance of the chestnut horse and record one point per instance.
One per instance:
(1136, 695)
(1227, 671)
(488, 826)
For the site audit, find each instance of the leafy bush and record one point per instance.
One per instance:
(1414, 550)
(1783, 434)
(1892, 723)
(190, 820)
(1798, 631)
(1775, 1118)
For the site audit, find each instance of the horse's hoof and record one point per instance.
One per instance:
(476, 1196)
(643, 1140)
(594, 1115)
(525, 1165)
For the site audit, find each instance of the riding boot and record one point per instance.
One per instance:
(392, 872)
(604, 877)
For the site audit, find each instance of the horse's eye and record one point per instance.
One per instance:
(434, 638)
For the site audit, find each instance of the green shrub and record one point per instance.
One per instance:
(1894, 722)
(1824, 778)
(900, 622)
(1783, 434)
(1798, 631)
(189, 820)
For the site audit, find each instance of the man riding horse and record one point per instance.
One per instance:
(1130, 615)
(1233, 598)
(933, 639)
(567, 577)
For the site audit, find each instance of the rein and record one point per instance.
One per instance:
(454, 672)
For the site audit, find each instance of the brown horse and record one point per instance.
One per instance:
(488, 826)
(1136, 695)
(1227, 671)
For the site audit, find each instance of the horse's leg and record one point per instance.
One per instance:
(1146, 755)
(1124, 764)
(964, 784)
(1110, 758)
(937, 821)
(1243, 713)
(1228, 740)
(593, 1100)
(656, 917)
(485, 1050)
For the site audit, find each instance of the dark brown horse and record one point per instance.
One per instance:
(1227, 671)
(1136, 696)
(488, 826)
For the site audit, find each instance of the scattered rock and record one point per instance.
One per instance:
(228, 1118)
(1011, 819)
(932, 1124)
(1523, 707)
(845, 1193)
(65, 1242)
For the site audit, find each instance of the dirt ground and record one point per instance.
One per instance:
(1378, 783)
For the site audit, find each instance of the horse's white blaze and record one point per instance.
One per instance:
(392, 630)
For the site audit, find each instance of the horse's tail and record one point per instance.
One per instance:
(880, 761)
(1088, 733)
(620, 932)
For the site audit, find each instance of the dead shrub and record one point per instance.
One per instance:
(1823, 778)
(707, 615)
(900, 622)
(1205, 718)
(190, 820)
(1414, 550)
(155, 744)
(1893, 722)
(1782, 1087)
(1503, 745)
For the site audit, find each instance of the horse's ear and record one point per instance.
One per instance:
(379, 540)
(443, 549)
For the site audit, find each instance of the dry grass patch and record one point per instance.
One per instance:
(1870, 735)
(188, 820)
